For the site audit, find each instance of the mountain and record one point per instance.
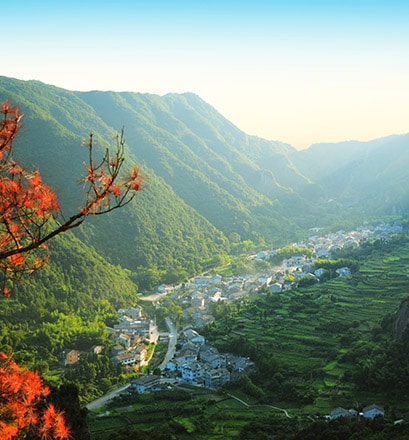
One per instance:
(205, 179)
(199, 186)
(362, 177)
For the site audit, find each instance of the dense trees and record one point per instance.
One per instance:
(383, 369)
(30, 216)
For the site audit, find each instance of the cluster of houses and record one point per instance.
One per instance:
(211, 288)
(132, 334)
(301, 266)
(195, 363)
(369, 412)
(323, 246)
(200, 364)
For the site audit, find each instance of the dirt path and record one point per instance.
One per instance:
(268, 406)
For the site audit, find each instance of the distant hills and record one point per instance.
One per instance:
(206, 180)
(367, 178)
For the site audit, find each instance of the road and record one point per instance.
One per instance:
(107, 397)
(173, 338)
(169, 355)
(153, 297)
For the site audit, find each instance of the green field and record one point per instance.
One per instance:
(306, 344)
(199, 414)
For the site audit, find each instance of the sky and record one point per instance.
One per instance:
(300, 72)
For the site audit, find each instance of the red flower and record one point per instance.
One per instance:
(21, 392)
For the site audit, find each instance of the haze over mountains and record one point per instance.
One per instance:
(206, 180)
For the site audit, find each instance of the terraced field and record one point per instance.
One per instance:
(202, 414)
(313, 329)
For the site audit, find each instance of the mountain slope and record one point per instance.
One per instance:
(368, 177)
(205, 178)
(155, 230)
(206, 171)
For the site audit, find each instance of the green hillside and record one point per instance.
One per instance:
(206, 181)
(64, 303)
(198, 162)
(153, 232)
(196, 152)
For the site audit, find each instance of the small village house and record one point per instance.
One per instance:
(145, 384)
(70, 357)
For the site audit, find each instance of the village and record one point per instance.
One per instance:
(206, 290)
(190, 359)
(199, 364)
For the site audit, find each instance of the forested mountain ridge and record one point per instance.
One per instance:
(205, 178)
(175, 135)
(367, 176)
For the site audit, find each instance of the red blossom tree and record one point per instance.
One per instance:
(23, 408)
(29, 210)
(30, 215)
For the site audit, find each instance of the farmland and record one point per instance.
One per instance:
(313, 334)
(308, 345)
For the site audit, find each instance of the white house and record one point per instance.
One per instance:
(123, 339)
(124, 359)
(207, 280)
(339, 412)
(343, 271)
(342, 412)
(140, 353)
(275, 287)
(371, 411)
(194, 337)
(216, 296)
(216, 378)
(319, 272)
(216, 361)
(186, 357)
(197, 301)
(207, 352)
(172, 365)
(132, 312)
(264, 279)
(145, 383)
(192, 372)
(262, 255)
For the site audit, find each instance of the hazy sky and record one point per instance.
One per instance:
(296, 71)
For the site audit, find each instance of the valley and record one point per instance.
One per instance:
(320, 314)
(308, 344)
